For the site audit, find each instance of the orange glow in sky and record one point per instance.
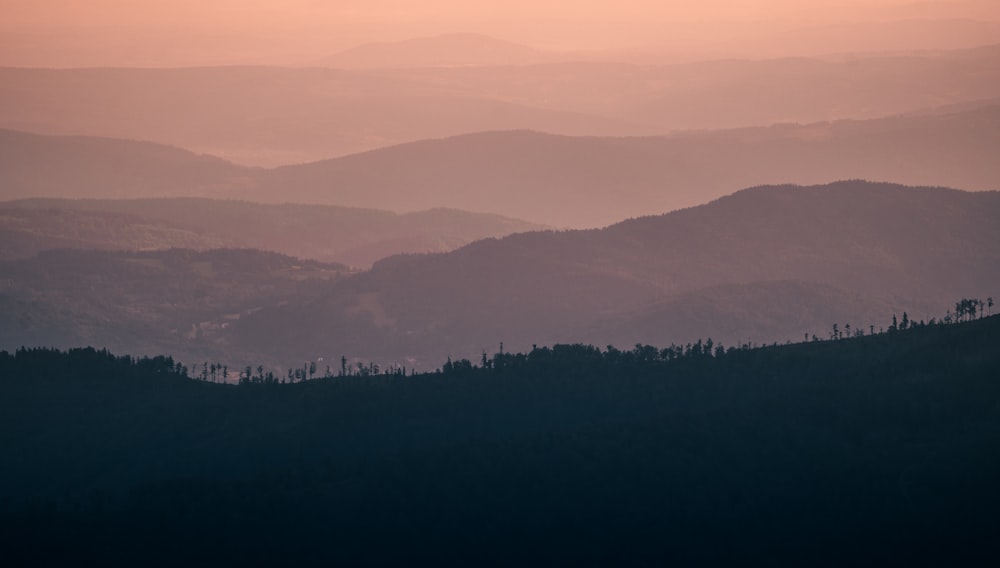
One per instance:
(166, 32)
(255, 13)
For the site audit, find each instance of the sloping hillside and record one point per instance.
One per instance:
(882, 448)
(770, 263)
(171, 301)
(33, 165)
(357, 237)
(856, 246)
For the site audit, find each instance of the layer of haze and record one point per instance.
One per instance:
(70, 33)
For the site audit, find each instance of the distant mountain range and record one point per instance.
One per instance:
(448, 50)
(766, 264)
(307, 114)
(357, 237)
(552, 180)
(589, 182)
(914, 33)
(684, 43)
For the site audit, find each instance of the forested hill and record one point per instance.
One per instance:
(878, 448)
(765, 264)
(173, 301)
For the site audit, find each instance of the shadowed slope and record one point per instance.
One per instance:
(878, 447)
(765, 264)
(858, 245)
(168, 301)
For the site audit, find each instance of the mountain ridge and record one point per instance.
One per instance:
(357, 237)
(861, 245)
(659, 174)
(305, 114)
(762, 265)
(548, 179)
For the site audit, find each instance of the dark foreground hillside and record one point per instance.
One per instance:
(879, 449)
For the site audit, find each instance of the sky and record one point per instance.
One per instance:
(181, 32)
(298, 12)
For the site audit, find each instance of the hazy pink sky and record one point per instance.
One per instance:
(256, 13)
(98, 12)
(71, 32)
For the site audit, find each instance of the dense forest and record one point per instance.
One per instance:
(859, 449)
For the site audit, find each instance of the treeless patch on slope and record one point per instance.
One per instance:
(371, 304)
